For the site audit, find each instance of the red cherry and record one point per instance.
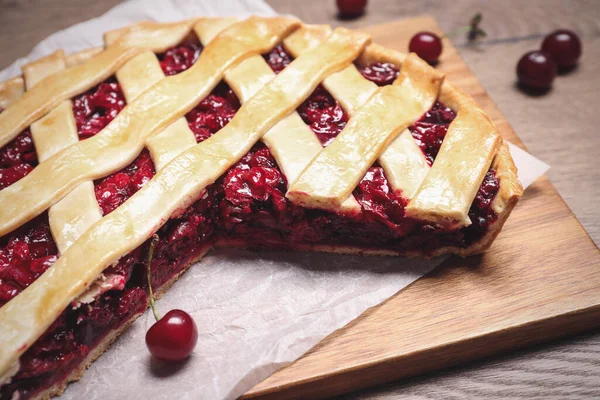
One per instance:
(564, 48)
(536, 70)
(351, 8)
(427, 45)
(173, 337)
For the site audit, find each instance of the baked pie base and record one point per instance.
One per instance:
(247, 207)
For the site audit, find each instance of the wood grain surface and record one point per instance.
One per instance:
(559, 127)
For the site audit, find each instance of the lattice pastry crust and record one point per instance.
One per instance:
(318, 177)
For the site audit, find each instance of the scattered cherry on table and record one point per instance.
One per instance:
(564, 47)
(426, 45)
(351, 8)
(536, 70)
(173, 337)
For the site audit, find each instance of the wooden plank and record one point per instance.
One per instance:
(531, 286)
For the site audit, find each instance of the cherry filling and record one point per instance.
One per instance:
(24, 255)
(10, 175)
(430, 130)
(247, 205)
(278, 58)
(115, 189)
(94, 109)
(380, 73)
(180, 58)
(481, 213)
(213, 112)
(17, 159)
(323, 114)
(28, 251)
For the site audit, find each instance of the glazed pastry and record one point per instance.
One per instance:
(262, 133)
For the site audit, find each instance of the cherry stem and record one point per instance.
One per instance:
(473, 30)
(149, 263)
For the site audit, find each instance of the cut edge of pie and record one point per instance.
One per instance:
(232, 53)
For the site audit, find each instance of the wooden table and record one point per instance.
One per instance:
(559, 128)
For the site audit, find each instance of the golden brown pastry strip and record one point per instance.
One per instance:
(55, 131)
(35, 71)
(139, 74)
(178, 184)
(11, 91)
(405, 165)
(155, 36)
(123, 139)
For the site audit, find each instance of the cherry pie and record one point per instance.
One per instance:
(264, 133)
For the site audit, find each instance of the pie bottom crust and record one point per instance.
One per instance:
(506, 199)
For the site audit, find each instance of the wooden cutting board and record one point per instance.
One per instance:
(540, 280)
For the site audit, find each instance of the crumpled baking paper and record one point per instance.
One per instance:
(256, 312)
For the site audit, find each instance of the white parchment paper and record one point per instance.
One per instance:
(256, 312)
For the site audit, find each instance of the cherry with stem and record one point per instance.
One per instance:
(173, 337)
